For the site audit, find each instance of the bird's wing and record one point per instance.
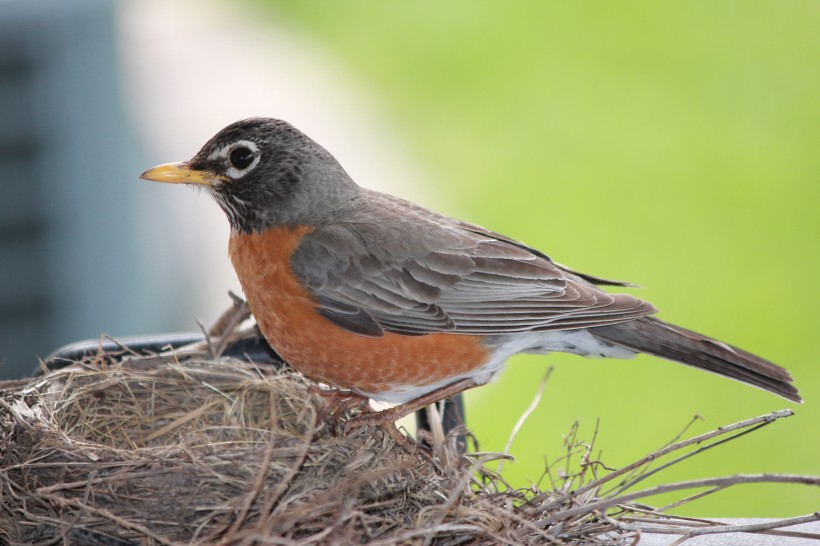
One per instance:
(418, 273)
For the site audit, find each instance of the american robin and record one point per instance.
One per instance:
(372, 293)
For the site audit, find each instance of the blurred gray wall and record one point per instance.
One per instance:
(85, 247)
(68, 168)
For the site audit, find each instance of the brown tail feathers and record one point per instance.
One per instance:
(652, 336)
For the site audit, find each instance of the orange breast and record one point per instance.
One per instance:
(322, 350)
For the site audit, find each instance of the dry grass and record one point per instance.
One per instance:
(188, 448)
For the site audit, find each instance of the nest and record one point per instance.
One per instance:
(189, 448)
(163, 451)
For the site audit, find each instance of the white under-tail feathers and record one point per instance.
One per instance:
(580, 342)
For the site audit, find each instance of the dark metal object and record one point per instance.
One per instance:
(252, 349)
(452, 417)
(110, 349)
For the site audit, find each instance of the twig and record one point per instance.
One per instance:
(434, 419)
(452, 498)
(122, 522)
(208, 340)
(231, 317)
(17, 417)
(527, 412)
(228, 322)
(176, 423)
(66, 526)
(282, 486)
(641, 470)
(255, 490)
(717, 527)
(628, 483)
(668, 488)
(768, 418)
(690, 499)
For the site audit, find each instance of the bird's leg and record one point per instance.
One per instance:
(391, 415)
(402, 439)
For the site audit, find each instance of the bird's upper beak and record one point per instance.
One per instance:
(181, 173)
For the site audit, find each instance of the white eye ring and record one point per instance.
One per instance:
(225, 153)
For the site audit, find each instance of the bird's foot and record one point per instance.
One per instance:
(337, 403)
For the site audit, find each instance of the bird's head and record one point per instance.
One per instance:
(264, 173)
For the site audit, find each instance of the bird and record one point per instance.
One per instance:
(380, 297)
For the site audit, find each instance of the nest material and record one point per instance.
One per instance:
(161, 451)
(180, 449)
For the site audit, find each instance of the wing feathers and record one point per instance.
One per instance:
(419, 273)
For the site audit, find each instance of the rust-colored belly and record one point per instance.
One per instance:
(321, 349)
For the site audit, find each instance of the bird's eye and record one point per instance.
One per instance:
(241, 157)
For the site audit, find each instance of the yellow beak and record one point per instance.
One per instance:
(180, 173)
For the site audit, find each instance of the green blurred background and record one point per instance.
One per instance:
(672, 144)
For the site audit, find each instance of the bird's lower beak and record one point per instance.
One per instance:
(180, 173)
